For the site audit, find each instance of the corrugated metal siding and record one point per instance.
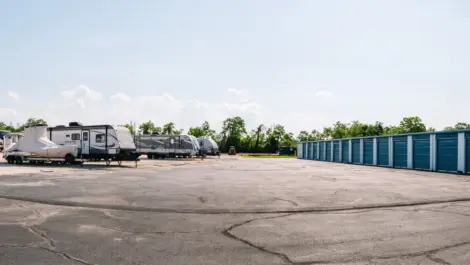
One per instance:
(368, 151)
(382, 151)
(322, 153)
(467, 152)
(309, 150)
(356, 151)
(400, 151)
(328, 151)
(421, 152)
(345, 151)
(336, 151)
(447, 152)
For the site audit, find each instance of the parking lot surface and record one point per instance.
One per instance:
(232, 210)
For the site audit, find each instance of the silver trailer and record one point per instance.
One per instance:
(167, 146)
(96, 142)
(208, 146)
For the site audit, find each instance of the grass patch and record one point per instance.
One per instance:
(267, 156)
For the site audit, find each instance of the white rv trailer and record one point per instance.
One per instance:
(34, 147)
(208, 146)
(96, 142)
(162, 146)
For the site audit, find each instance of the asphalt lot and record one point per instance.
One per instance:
(232, 211)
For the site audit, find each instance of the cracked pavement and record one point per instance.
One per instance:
(233, 211)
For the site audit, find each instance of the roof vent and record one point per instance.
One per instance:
(75, 123)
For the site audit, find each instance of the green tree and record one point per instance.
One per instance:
(130, 127)
(412, 125)
(196, 131)
(34, 122)
(458, 126)
(232, 131)
(303, 136)
(147, 128)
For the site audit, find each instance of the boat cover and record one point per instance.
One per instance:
(35, 142)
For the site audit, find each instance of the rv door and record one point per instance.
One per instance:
(86, 142)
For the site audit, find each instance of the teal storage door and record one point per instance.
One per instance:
(447, 152)
(467, 152)
(356, 151)
(322, 148)
(314, 156)
(328, 151)
(304, 150)
(345, 151)
(309, 150)
(421, 152)
(368, 151)
(382, 151)
(400, 152)
(336, 151)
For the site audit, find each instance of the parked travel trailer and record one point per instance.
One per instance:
(35, 148)
(96, 141)
(162, 146)
(208, 146)
(3, 134)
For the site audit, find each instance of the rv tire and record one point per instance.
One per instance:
(19, 160)
(69, 159)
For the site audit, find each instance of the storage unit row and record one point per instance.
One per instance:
(447, 151)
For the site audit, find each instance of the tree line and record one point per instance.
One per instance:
(268, 138)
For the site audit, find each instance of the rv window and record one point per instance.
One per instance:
(85, 136)
(75, 136)
(100, 138)
(67, 135)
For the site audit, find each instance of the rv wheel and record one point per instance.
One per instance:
(69, 159)
(19, 160)
(10, 160)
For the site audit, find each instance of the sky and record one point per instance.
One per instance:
(302, 63)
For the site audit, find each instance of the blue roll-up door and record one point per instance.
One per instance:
(322, 148)
(309, 150)
(336, 151)
(400, 151)
(304, 150)
(467, 152)
(345, 151)
(314, 155)
(328, 151)
(368, 151)
(356, 151)
(421, 152)
(447, 152)
(382, 151)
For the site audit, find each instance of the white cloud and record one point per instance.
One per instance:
(238, 92)
(324, 94)
(120, 96)
(86, 105)
(14, 95)
(81, 94)
(8, 115)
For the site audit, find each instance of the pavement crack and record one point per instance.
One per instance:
(150, 232)
(290, 201)
(201, 199)
(65, 255)
(42, 235)
(430, 256)
(134, 208)
(282, 256)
